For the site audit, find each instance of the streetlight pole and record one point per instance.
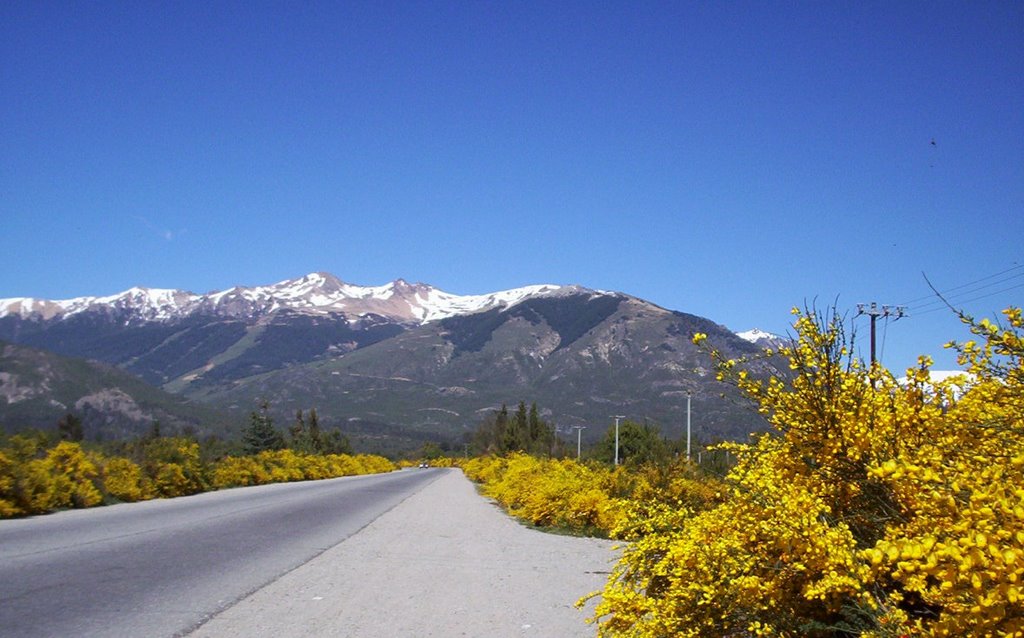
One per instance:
(617, 437)
(579, 431)
(687, 426)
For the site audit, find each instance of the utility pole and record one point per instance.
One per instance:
(687, 426)
(617, 437)
(579, 430)
(875, 312)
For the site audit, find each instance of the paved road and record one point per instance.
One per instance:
(444, 563)
(161, 568)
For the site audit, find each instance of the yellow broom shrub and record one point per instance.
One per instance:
(74, 476)
(873, 508)
(124, 480)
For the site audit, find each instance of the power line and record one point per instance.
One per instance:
(963, 294)
(970, 283)
(960, 299)
(970, 291)
(964, 301)
(885, 331)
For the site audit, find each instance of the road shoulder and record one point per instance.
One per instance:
(445, 562)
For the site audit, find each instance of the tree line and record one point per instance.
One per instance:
(44, 471)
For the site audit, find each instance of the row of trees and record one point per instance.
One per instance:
(303, 436)
(523, 431)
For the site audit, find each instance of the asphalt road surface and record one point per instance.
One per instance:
(164, 567)
(444, 563)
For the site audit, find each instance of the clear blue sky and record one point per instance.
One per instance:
(725, 159)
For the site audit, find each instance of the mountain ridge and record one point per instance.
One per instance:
(403, 358)
(315, 293)
(38, 387)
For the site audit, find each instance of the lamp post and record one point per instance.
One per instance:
(579, 431)
(617, 437)
(687, 426)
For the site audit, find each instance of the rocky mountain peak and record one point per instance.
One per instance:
(317, 293)
(762, 338)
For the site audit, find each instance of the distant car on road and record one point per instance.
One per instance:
(424, 464)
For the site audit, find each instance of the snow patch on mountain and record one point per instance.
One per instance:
(436, 304)
(149, 304)
(757, 336)
(315, 293)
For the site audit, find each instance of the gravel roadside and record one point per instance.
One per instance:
(445, 562)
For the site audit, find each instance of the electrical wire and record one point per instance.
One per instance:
(885, 331)
(959, 296)
(968, 289)
(963, 301)
(970, 283)
(972, 292)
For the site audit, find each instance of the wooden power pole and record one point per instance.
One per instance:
(874, 311)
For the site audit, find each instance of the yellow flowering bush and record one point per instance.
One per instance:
(35, 478)
(559, 493)
(26, 482)
(8, 507)
(74, 475)
(238, 471)
(873, 508)
(954, 560)
(657, 497)
(550, 492)
(124, 480)
(373, 464)
(446, 461)
(624, 503)
(34, 488)
(174, 466)
(484, 469)
(286, 465)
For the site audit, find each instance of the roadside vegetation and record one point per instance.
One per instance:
(591, 498)
(875, 506)
(40, 473)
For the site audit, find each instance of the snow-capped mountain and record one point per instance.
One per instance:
(762, 339)
(399, 357)
(150, 304)
(316, 293)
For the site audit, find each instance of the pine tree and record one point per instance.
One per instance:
(334, 442)
(261, 434)
(501, 428)
(298, 427)
(315, 436)
(516, 433)
(525, 431)
(299, 439)
(535, 426)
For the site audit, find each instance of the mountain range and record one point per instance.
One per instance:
(398, 362)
